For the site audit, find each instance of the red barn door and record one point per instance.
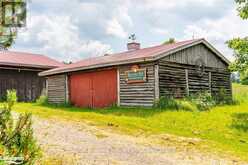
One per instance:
(95, 89)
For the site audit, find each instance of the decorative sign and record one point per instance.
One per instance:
(200, 67)
(136, 76)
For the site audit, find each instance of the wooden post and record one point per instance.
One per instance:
(210, 82)
(46, 90)
(156, 81)
(118, 88)
(66, 89)
(187, 81)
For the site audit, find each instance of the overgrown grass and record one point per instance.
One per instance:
(223, 128)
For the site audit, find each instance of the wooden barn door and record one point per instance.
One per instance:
(95, 89)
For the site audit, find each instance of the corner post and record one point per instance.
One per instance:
(187, 81)
(156, 68)
(118, 88)
(66, 89)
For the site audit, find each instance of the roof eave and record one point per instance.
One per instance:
(28, 65)
(49, 73)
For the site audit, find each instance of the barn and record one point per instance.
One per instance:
(139, 76)
(19, 71)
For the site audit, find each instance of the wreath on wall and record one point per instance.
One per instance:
(200, 67)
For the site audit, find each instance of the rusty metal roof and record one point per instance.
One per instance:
(21, 59)
(141, 55)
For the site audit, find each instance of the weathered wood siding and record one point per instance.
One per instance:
(28, 84)
(137, 94)
(179, 80)
(193, 54)
(57, 87)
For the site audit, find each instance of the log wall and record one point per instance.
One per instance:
(137, 94)
(179, 80)
(57, 86)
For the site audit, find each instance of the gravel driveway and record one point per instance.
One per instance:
(82, 144)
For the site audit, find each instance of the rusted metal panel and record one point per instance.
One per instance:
(94, 89)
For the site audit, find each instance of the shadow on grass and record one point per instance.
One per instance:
(240, 121)
(117, 111)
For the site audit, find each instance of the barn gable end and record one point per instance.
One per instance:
(195, 55)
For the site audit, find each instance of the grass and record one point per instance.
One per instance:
(223, 129)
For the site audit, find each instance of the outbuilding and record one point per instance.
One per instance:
(137, 77)
(20, 70)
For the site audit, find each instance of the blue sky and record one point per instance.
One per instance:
(69, 30)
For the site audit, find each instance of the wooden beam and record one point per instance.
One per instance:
(187, 81)
(66, 89)
(118, 88)
(156, 81)
(210, 82)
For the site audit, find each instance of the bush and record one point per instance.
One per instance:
(166, 103)
(244, 82)
(42, 100)
(16, 136)
(203, 100)
(222, 98)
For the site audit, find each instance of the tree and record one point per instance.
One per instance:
(240, 45)
(170, 41)
(16, 136)
(242, 8)
(12, 13)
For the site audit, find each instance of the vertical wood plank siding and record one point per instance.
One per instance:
(57, 89)
(28, 84)
(194, 53)
(137, 94)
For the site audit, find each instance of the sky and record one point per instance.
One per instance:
(70, 30)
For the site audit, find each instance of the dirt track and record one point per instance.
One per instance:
(81, 144)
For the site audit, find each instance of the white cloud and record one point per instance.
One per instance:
(58, 36)
(219, 31)
(170, 4)
(115, 28)
(160, 31)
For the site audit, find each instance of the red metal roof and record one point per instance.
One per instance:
(11, 58)
(145, 54)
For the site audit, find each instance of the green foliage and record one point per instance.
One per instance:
(244, 81)
(170, 41)
(42, 100)
(222, 98)
(166, 103)
(242, 8)
(240, 45)
(3, 98)
(16, 136)
(203, 100)
(11, 99)
(8, 34)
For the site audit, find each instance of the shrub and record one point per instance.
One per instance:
(187, 105)
(244, 81)
(16, 136)
(3, 98)
(166, 103)
(222, 98)
(42, 100)
(203, 100)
